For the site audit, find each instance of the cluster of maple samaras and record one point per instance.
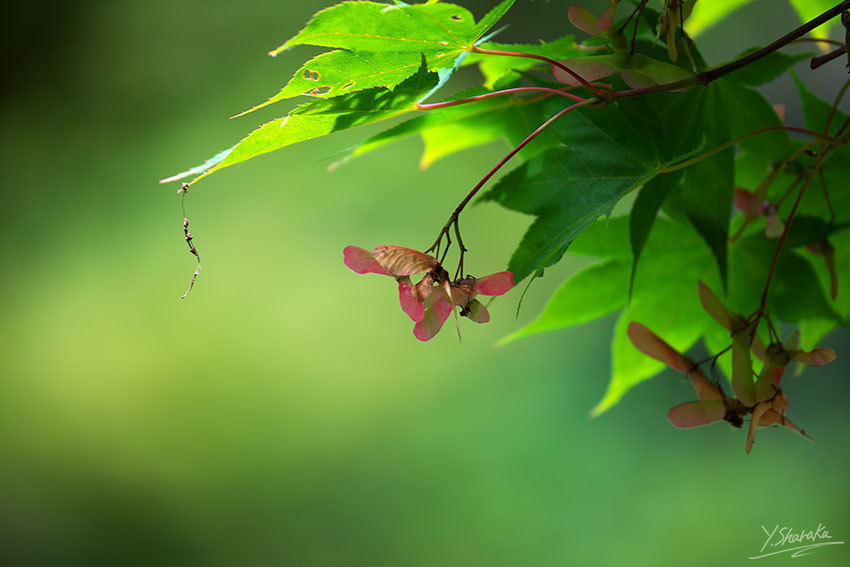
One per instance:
(430, 301)
(757, 395)
(636, 70)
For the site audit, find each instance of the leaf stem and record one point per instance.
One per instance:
(818, 40)
(454, 216)
(782, 238)
(835, 106)
(579, 78)
(485, 96)
(823, 155)
(725, 145)
(639, 10)
(826, 197)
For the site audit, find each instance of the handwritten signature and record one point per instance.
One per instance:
(784, 537)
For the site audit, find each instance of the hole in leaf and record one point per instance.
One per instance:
(314, 75)
(439, 55)
(306, 73)
(348, 86)
(457, 18)
(444, 43)
(320, 91)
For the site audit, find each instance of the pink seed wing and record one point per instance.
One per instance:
(585, 68)
(697, 414)
(774, 227)
(636, 79)
(604, 21)
(477, 312)
(817, 357)
(361, 261)
(758, 412)
(706, 391)
(495, 284)
(714, 307)
(433, 321)
(652, 345)
(409, 304)
(772, 417)
(768, 381)
(584, 19)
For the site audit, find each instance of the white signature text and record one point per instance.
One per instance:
(785, 539)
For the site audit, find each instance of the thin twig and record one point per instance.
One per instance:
(826, 196)
(637, 21)
(725, 145)
(707, 77)
(558, 64)
(819, 60)
(188, 236)
(497, 167)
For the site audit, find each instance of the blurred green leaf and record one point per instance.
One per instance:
(816, 112)
(810, 9)
(809, 230)
(724, 110)
(706, 14)
(644, 212)
(795, 293)
(747, 110)
(591, 293)
(664, 300)
(675, 259)
(705, 194)
(767, 68)
(813, 330)
(606, 238)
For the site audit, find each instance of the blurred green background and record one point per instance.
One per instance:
(284, 414)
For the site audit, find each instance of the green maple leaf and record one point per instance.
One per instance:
(381, 45)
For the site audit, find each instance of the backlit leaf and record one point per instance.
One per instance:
(492, 17)
(591, 293)
(372, 26)
(381, 45)
(810, 9)
(324, 117)
(706, 14)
